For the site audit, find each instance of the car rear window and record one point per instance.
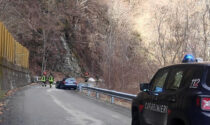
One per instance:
(70, 79)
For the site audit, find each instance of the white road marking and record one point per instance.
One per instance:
(81, 118)
(115, 116)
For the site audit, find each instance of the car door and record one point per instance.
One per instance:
(151, 113)
(175, 96)
(168, 98)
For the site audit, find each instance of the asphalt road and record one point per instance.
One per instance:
(36, 105)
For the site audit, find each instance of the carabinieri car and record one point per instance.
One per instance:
(177, 95)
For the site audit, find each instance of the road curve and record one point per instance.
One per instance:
(36, 105)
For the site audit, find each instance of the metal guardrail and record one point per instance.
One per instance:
(113, 94)
(35, 79)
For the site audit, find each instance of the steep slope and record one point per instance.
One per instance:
(34, 23)
(83, 35)
(121, 41)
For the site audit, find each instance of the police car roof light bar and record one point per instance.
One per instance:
(188, 58)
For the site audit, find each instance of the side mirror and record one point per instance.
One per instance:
(144, 87)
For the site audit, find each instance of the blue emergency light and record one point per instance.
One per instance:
(188, 58)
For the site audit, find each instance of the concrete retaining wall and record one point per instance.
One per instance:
(12, 76)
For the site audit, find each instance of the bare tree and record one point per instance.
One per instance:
(206, 29)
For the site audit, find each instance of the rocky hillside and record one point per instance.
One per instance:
(120, 41)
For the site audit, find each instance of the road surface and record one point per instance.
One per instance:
(36, 105)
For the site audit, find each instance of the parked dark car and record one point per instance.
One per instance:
(176, 95)
(67, 83)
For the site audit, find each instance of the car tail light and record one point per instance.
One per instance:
(169, 111)
(198, 101)
(64, 82)
(205, 103)
(141, 107)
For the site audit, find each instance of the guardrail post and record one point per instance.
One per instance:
(88, 92)
(80, 88)
(97, 95)
(112, 99)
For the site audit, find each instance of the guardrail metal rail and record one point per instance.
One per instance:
(113, 94)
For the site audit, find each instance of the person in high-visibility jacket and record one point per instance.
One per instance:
(51, 80)
(43, 79)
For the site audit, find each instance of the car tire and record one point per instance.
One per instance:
(177, 122)
(61, 87)
(135, 117)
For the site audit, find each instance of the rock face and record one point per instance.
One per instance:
(71, 65)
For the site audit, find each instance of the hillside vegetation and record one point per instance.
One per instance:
(121, 41)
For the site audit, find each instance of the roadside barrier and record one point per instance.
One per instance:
(11, 50)
(113, 94)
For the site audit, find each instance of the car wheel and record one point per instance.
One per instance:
(61, 87)
(177, 122)
(135, 116)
